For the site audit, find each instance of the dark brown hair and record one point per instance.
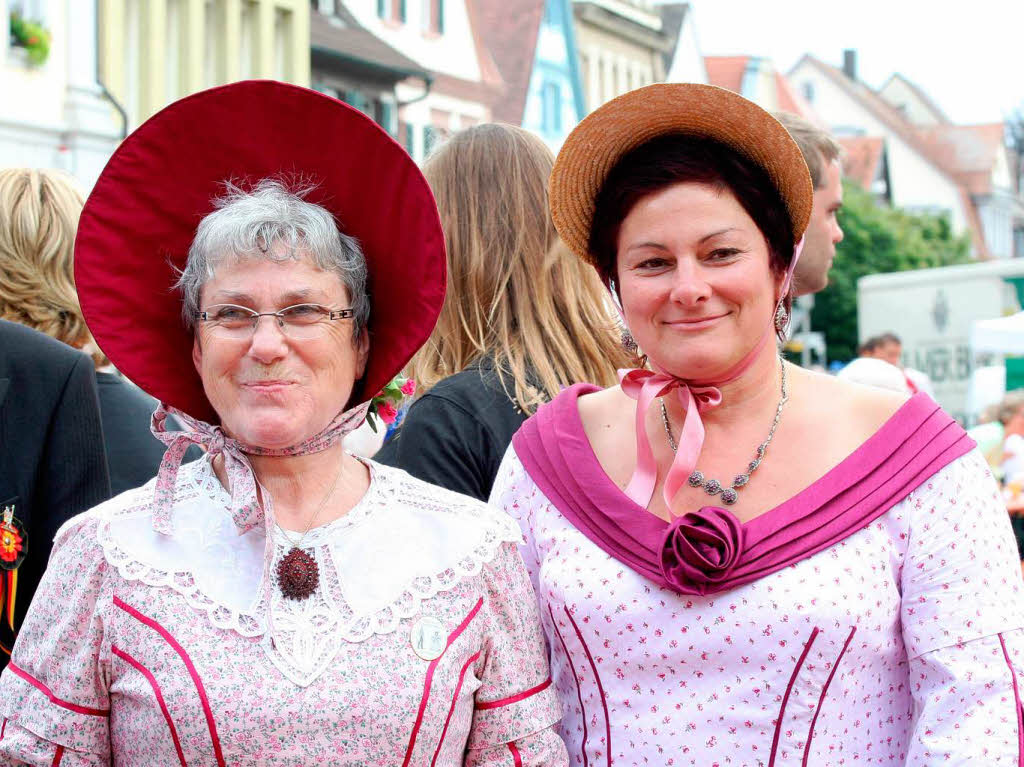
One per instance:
(675, 159)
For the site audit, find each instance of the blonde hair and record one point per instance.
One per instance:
(39, 212)
(515, 292)
(817, 145)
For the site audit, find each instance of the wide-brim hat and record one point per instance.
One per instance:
(602, 138)
(141, 218)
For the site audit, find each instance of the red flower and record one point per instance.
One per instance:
(10, 544)
(32, 40)
(409, 387)
(387, 412)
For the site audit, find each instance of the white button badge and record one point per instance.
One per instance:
(427, 638)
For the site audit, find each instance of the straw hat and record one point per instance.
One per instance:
(141, 217)
(624, 123)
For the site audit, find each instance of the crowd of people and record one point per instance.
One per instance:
(615, 526)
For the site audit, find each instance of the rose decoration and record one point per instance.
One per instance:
(385, 405)
(700, 550)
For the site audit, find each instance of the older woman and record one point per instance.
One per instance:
(279, 602)
(789, 569)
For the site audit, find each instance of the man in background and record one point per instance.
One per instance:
(822, 154)
(52, 462)
(889, 348)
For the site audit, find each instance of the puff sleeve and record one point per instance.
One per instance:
(516, 707)
(54, 703)
(962, 614)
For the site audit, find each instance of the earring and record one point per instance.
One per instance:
(781, 319)
(630, 345)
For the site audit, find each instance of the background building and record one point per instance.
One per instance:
(533, 46)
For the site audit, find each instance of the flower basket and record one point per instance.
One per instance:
(32, 36)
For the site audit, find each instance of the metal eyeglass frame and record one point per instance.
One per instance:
(329, 314)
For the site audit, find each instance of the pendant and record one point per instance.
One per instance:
(297, 575)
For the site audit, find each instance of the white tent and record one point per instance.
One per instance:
(1004, 335)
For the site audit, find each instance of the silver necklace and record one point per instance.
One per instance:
(713, 486)
(297, 573)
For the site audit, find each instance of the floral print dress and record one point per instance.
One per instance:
(421, 645)
(902, 644)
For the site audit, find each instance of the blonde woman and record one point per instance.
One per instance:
(39, 211)
(522, 318)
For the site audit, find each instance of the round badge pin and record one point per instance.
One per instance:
(427, 638)
(13, 540)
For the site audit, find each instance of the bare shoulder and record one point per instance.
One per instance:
(606, 416)
(855, 408)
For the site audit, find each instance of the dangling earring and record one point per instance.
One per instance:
(630, 345)
(781, 319)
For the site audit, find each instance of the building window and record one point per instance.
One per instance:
(393, 10)
(808, 89)
(551, 108)
(431, 136)
(551, 14)
(356, 99)
(326, 7)
(433, 16)
(385, 116)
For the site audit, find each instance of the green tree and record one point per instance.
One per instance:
(877, 239)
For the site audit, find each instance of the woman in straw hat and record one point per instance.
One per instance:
(522, 319)
(789, 568)
(279, 602)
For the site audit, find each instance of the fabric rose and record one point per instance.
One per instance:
(700, 550)
(387, 412)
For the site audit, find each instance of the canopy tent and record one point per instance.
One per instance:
(1004, 335)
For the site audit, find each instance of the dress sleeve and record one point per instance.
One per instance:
(54, 705)
(515, 493)
(441, 443)
(963, 614)
(516, 708)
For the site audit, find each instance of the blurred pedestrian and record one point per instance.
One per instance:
(823, 154)
(522, 318)
(39, 211)
(889, 348)
(52, 464)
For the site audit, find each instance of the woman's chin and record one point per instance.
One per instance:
(272, 432)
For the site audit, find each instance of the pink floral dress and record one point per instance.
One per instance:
(901, 644)
(421, 645)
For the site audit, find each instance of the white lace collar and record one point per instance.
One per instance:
(404, 542)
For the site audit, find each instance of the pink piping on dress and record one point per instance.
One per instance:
(207, 710)
(514, 698)
(451, 709)
(516, 759)
(156, 692)
(579, 691)
(53, 698)
(3, 727)
(600, 687)
(785, 697)
(58, 756)
(1017, 703)
(430, 676)
(824, 690)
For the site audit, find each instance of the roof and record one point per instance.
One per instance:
(921, 96)
(727, 71)
(343, 37)
(863, 157)
(968, 151)
(509, 30)
(672, 17)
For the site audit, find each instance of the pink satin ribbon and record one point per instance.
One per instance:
(695, 397)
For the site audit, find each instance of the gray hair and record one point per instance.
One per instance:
(248, 223)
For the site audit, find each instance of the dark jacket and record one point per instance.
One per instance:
(52, 462)
(456, 434)
(133, 453)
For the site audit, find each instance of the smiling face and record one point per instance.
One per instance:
(270, 390)
(694, 278)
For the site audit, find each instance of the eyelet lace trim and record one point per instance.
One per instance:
(312, 627)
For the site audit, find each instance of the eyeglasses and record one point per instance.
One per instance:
(301, 321)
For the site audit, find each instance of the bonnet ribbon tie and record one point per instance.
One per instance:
(645, 386)
(247, 511)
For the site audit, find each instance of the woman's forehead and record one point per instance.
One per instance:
(294, 279)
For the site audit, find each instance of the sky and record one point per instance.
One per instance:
(968, 56)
